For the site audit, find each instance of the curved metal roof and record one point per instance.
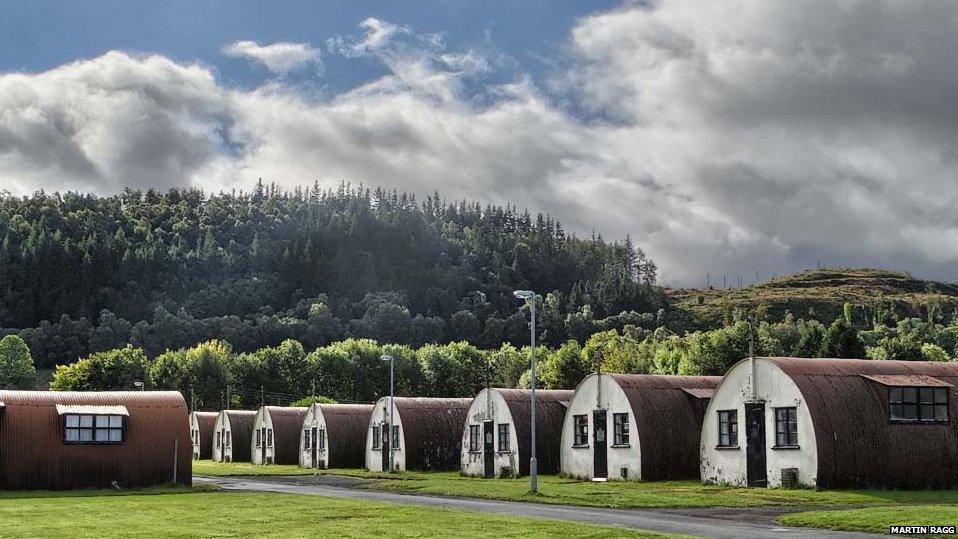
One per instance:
(551, 406)
(241, 427)
(287, 423)
(431, 430)
(857, 445)
(206, 422)
(346, 433)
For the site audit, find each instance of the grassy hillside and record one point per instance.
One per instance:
(819, 293)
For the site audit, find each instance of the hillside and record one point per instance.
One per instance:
(820, 294)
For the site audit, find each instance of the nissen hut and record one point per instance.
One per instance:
(426, 434)
(496, 440)
(635, 426)
(232, 434)
(334, 436)
(201, 434)
(276, 434)
(833, 423)
(68, 440)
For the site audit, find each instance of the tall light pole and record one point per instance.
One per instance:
(530, 297)
(392, 362)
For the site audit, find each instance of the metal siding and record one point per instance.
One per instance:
(857, 445)
(206, 421)
(287, 424)
(551, 406)
(346, 433)
(432, 431)
(241, 429)
(668, 422)
(34, 455)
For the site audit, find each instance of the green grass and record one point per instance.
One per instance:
(222, 469)
(222, 514)
(558, 490)
(875, 519)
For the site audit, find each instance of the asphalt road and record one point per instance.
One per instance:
(685, 521)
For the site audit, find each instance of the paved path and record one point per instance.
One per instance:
(684, 522)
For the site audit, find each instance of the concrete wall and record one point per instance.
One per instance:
(220, 431)
(195, 436)
(380, 416)
(776, 389)
(263, 419)
(489, 405)
(578, 461)
(314, 418)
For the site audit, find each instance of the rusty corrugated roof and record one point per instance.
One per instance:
(551, 406)
(668, 421)
(241, 427)
(346, 433)
(432, 430)
(857, 445)
(206, 421)
(906, 380)
(34, 455)
(287, 425)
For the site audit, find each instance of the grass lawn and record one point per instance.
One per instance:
(223, 514)
(875, 519)
(221, 469)
(558, 490)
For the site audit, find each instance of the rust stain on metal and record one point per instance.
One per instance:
(206, 421)
(346, 433)
(432, 431)
(287, 425)
(551, 406)
(241, 429)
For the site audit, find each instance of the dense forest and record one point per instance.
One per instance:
(163, 271)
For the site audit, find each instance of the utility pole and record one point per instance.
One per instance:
(530, 297)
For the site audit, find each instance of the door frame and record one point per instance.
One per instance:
(263, 447)
(386, 445)
(756, 458)
(314, 450)
(600, 449)
(489, 449)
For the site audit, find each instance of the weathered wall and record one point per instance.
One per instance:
(728, 466)
(203, 422)
(380, 416)
(237, 425)
(473, 463)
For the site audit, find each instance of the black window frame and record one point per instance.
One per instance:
(377, 438)
(94, 429)
(307, 438)
(786, 427)
(620, 430)
(503, 433)
(320, 440)
(729, 438)
(938, 401)
(394, 443)
(475, 437)
(580, 430)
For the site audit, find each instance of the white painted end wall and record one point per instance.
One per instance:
(314, 418)
(480, 411)
(263, 419)
(379, 417)
(578, 461)
(776, 389)
(221, 432)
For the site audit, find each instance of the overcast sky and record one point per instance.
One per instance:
(726, 137)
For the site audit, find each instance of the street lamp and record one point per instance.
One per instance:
(530, 297)
(138, 385)
(392, 362)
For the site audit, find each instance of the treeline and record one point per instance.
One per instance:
(82, 274)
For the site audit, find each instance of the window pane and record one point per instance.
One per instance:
(86, 435)
(73, 435)
(102, 421)
(73, 421)
(894, 395)
(102, 435)
(926, 412)
(926, 394)
(116, 422)
(910, 412)
(941, 395)
(116, 435)
(896, 412)
(909, 394)
(86, 420)
(941, 412)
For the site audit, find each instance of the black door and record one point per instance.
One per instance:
(756, 474)
(315, 446)
(386, 448)
(488, 449)
(601, 446)
(263, 447)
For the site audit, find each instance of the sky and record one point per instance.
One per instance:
(730, 138)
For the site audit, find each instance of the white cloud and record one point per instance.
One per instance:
(726, 138)
(280, 58)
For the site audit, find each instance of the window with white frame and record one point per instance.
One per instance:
(728, 428)
(786, 427)
(580, 430)
(377, 440)
(474, 438)
(504, 442)
(93, 429)
(321, 440)
(620, 429)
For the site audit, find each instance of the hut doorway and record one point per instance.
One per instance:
(601, 451)
(263, 447)
(314, 448)
(756, 473)
(386, 447)
(488, 450)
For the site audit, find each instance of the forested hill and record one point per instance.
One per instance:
(80, 273)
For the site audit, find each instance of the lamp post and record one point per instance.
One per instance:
(530, 297)
(392, 362)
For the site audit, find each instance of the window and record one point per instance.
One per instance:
(306, 439)
(219, 439)
(395, 443)
(269, 437)
(580, 431)
(377, 441)
(93, 429)
(259, 438)
(504, 437)
(620, 429)
(728, 428)
(918, 405)
(473, 438)
(321, 439)
(229, 439)
(786, 427)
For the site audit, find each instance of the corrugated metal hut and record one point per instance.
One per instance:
(427, 434)
(334, 436)
(496, 439)
(66, 440)
(232, 435)
(276, 434)
(833, 423)
(635, 426)
(201, 434)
